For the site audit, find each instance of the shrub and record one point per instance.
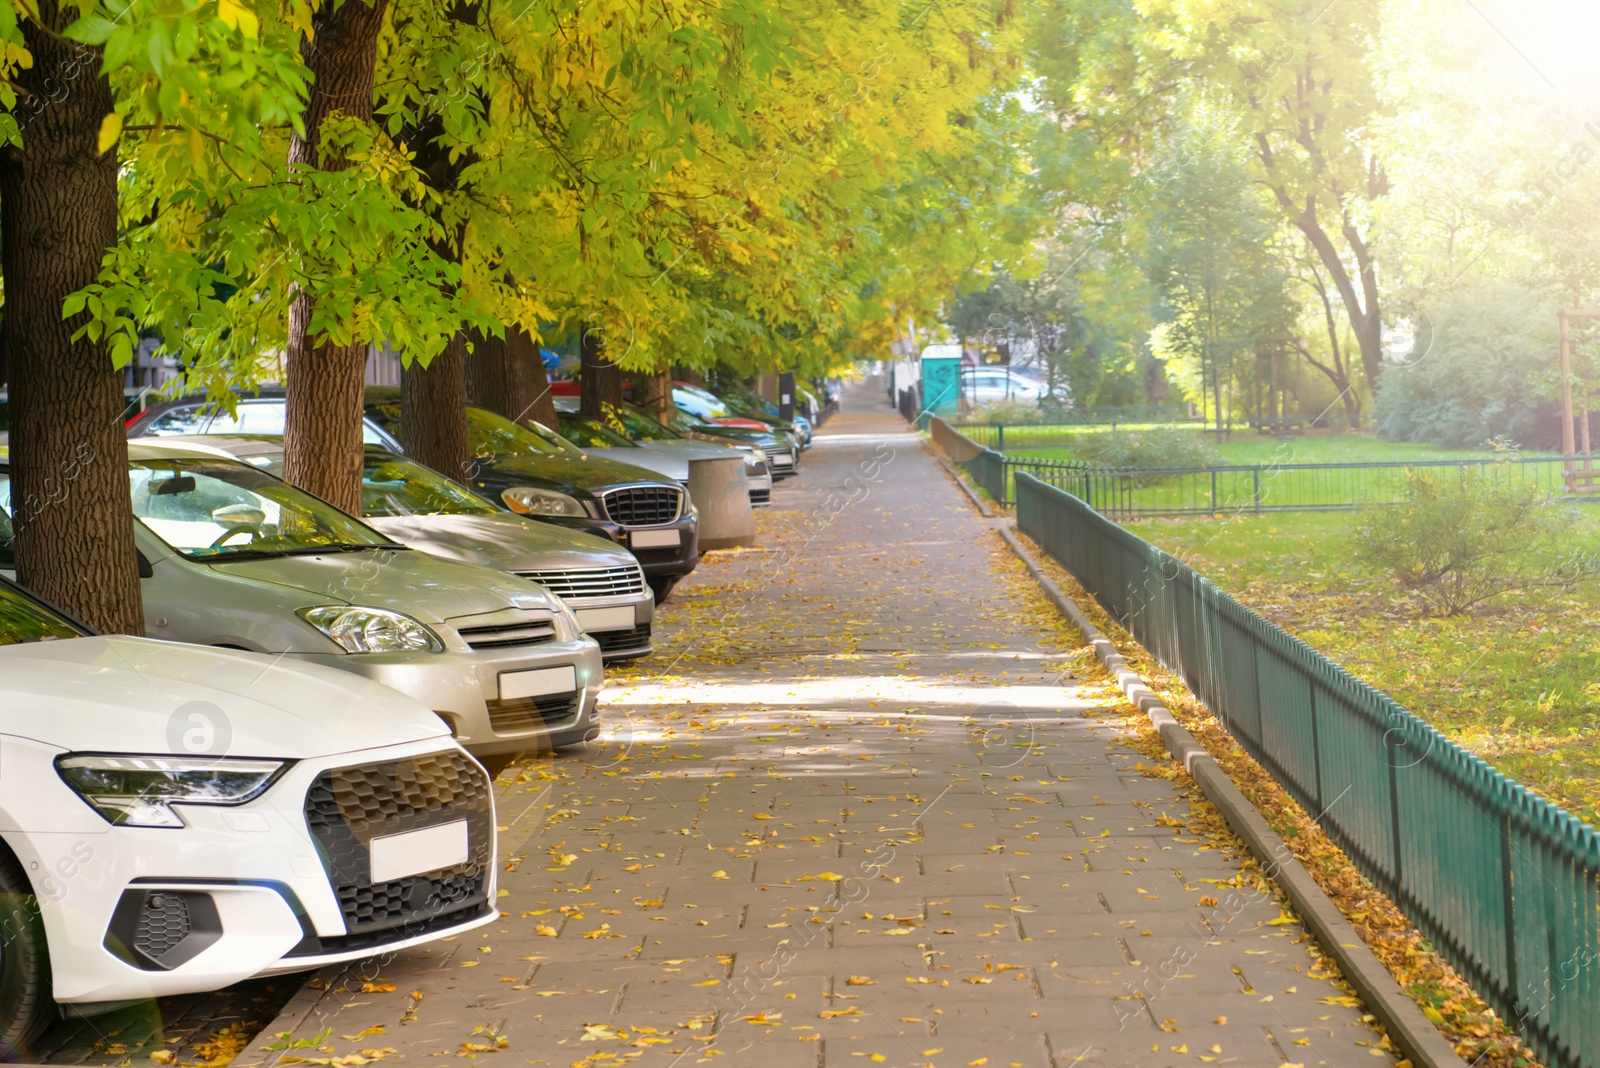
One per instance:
(1010, 413)
(1458, 540)
(1144, 450)
(1485, 367)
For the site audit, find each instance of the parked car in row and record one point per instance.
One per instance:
(781, 450)
(231, 556)
(994, 385)
(667, 456)
(531, 473)
(746, 401)
(782, 453)
(598, 579)
(174, 819)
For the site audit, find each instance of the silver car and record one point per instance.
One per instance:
(416, 505)
(659, 449)
(231, 556)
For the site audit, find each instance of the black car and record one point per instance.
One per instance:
(532, 473)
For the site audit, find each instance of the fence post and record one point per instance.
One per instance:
(1213, 491)
(1000, 437)
(1256, 472)
(1507, 889)
(1087, 492)
(1391, 744)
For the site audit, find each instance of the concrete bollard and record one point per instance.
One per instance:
(721, 491)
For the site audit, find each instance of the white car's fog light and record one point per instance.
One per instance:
(135, 791)
(372, 630)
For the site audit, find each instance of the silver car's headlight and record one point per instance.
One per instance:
(531, 501)
(372, 630)
(137, 791)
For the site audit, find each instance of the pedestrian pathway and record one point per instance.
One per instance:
(857, 811)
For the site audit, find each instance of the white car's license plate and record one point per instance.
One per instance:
(395, 856)
(653, 539)
(537, 682)
(594, 619)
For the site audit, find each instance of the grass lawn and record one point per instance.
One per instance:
(1252, 448)
(1516, 682)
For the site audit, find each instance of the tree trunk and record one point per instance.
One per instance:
(69, 458)
(433, 410)
(507, 376)
(601, 381)
(433, 399)
(322, 427)
(654, 392)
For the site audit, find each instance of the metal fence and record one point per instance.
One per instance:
(1505, 885)
(1260, 488)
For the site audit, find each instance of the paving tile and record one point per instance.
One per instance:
(867, 730)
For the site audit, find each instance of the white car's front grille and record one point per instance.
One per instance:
(346, 808)
(590, 582)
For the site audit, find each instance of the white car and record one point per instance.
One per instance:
(176, 818)
(992, 385)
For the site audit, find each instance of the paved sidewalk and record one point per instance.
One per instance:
(855, 812)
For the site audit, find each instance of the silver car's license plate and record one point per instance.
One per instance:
(537, 682)
(593, 619)
(653, 539)
(395, 856)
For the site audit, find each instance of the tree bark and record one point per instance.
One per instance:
(600, 383)
(322, 426)
(69, 457)
(506, 375)
(433, 399)
(654, 392)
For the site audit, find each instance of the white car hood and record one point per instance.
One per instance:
(134, 695)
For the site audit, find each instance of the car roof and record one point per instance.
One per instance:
(169, 448)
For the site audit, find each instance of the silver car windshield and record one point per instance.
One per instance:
(217, 510)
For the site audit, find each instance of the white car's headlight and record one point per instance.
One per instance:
(372, 630)
(136, 791)
(758, 454)
(531, 501)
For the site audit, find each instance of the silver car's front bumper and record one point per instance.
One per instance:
(465, 687)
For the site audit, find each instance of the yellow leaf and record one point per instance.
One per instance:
(719, 874)
(110, 131)
(546, 930)
(237, 17)
(976, 1063)
(830, 877)
(709, 982)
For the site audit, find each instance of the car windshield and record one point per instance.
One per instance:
(395, 486)
(639, 425)
(22, 619)
(589, 434)
(488, 434)
(217, 510)
(697, 405)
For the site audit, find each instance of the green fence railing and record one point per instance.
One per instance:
(1504, 884)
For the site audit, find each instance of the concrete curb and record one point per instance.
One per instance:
(977, 501)
(1408, 1028)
